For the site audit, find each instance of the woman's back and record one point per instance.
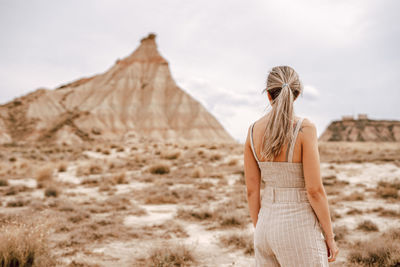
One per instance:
(258, 133)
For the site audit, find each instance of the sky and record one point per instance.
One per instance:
(220, 52)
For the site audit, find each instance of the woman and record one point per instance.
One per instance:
(282, 149)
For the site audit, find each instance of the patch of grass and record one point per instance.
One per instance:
(171, 254)
(44, 175)
(24, 244)
(368, 226)
(340, 232)
(239, 241)
(383, 250)
(3, 182)
(355, 196)
(159, 168)
(62, 167)
(174, 154)
(51, 191)
(215, 156)
(197, 172)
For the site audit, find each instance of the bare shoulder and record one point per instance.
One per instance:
(308, 129)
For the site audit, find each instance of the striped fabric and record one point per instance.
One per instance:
(288, 232)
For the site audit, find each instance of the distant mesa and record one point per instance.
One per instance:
(362, 129)
(136, 97)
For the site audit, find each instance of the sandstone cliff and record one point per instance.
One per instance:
(363, 129)
(136, 97)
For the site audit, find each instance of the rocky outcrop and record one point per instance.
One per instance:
(136, 97)
(362, 129)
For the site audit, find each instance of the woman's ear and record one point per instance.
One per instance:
(269, 96)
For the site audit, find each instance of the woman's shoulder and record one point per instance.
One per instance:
(307, 129)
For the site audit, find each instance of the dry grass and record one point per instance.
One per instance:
(197, 172)
(160, 168)
(387, 189)
(52, 191)
(44, 175)
(239, 241)
(3, 182)
(380, 251)
(354, 196)
(367, 226)
(24, 244)
(173, 154)
(62, 166)
(170, 254)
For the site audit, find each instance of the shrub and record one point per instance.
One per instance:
(62, 167)
(215, 156)
(171, 254)
(171, 154)
(51, 191)
(3, 182)
(197, 172)
(44, 175)
(120, 178)
(383, 250)
(159, 169)
(367, 225)
(24, 244)
(239, 241)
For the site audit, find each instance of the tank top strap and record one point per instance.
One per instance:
(252, 142)
(296, 131)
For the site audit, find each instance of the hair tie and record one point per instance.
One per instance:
(285, 84)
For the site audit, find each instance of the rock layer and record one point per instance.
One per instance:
(136, 97)
(362, 130)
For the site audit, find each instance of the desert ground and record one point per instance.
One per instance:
(145, 203)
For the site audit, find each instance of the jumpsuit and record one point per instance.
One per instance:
(287, 232)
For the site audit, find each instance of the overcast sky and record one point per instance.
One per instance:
(220, 52)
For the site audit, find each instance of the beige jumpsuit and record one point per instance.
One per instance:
(288, 232)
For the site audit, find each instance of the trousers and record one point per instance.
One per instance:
(288, 232)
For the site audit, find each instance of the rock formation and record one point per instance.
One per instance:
(362, 129)
(137, 96)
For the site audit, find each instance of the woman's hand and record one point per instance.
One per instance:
(333, 250)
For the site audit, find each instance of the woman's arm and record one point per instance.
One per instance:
(315, 189)
(252, 178)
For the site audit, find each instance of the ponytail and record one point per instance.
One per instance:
(279, 128)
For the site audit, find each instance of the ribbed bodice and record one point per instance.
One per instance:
(282, 174)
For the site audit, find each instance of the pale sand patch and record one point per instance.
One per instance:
(156, 215)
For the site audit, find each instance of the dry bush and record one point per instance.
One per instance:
(24, 244)
(340, 232)
(196, 214)
(95, 168)
(44, 175)
(383, 250)
(51, 191)
(173, 154)
(239, 241)
(385, 189)
(159, 168)
(170, 254)
(354, 211)
(368, 226)
(17, 203)
(3, 182)
(119, 178)
(62, 166)
(215, 156)
(15, 189)
(197, 172)
(205, 185)
(232, 162)
(356, 195)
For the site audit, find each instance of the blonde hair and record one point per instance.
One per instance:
(284, 85)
